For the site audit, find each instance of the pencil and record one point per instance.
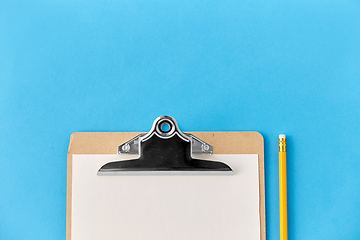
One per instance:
(283, 188)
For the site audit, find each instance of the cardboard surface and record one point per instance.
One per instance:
(223, 143)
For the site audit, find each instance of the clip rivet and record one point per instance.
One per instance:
(126, 147)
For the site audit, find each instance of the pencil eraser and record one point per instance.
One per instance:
(282, 136)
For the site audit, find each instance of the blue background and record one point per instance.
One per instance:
(275, 67)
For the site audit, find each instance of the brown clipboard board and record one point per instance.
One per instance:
(222, 142)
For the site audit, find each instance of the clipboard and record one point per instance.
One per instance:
(222, 142)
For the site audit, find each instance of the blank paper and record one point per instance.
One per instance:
(164, 207)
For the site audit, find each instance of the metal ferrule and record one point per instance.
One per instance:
(282, 145)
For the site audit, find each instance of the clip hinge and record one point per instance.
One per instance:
(198, 146)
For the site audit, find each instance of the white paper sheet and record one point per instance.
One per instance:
(165, 207)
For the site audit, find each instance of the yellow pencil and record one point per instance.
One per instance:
(283, 191)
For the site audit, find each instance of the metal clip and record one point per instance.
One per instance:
(164, 149)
